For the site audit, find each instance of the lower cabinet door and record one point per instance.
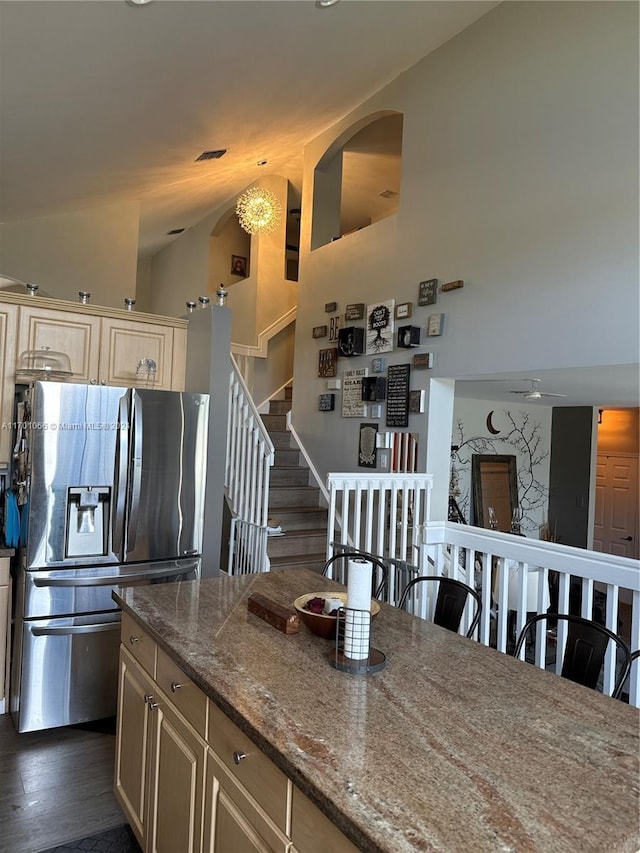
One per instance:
(233, 821)
(176, 783)
(133, 737)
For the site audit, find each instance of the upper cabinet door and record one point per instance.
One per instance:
(77, 334)
(128, 349)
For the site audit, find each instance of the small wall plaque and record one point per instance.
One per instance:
(403, 310)
(452, 285)
(350, 341)
(319, 331)
(408, 336)
(423, 360)
(328, 362)
(334, 327)
(326, 402)
(375, 411)
(330, 307)
(334, 384)
(428, 291)
(435, 324)
(355, 311)
(378, 365)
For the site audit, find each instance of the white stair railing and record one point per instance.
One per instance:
(250, 455)
(381, 514)
(513, 574)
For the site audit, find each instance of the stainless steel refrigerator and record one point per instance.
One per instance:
(111, 485)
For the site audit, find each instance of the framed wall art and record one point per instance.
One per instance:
(380, 327)
(403, 310)
(239, 266)
(328, 362)
(355, 311)
(353, 406)
(326, 402)
(428, 291)
(435, 324)
(398, 395)
(378, 364)
(330, 307)
(319, 331)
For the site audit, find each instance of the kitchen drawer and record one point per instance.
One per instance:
(141, 646)
(232, 820)
(254, 771)
(184, 694)
(312, 831)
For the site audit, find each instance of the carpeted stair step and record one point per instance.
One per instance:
(283, 496)
(297, 542)
(301, 517)
(289, 476)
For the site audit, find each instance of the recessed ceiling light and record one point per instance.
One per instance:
(175, 231)
(138, 2)
(215, 154)
(261, 163)
(324, 4)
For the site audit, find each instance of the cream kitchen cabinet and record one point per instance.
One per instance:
(77, 334)
(160, 760)
(105, 346)
(189, 780)
(127, 342)
(8, 332)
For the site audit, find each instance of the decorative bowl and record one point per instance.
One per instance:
(324, 624)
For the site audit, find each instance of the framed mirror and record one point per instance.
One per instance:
(495, 485)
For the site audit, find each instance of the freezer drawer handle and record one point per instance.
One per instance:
(61, 631)
(175, 686)
(118, 580)
(134, 640)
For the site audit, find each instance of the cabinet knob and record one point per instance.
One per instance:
(238, 757)
(175, 686)
(134, 640)
(147, 698)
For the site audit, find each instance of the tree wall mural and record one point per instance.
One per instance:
(523, 436)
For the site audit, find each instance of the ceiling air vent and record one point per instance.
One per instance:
(175, 231)
(211, 155)
(388, 194)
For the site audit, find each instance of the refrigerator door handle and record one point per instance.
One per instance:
(61, 631)
(116, 580)
(136, 471)
(120, 475)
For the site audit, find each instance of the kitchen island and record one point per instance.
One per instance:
(451, 747)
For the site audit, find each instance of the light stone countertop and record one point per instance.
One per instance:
(452, 747)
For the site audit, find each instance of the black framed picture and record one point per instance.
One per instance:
(239, 266)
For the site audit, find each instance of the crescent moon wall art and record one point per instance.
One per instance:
(490, 425)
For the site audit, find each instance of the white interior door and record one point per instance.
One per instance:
(616, 512)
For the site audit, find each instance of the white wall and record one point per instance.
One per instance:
(520, 176)
(92, 250)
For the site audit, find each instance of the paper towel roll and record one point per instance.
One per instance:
(357, 624)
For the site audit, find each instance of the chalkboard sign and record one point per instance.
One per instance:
(398, 395)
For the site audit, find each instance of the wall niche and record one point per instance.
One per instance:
(357, 181)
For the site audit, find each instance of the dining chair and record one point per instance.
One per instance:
(587, 643)
(451, 601)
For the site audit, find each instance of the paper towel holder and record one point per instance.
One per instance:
(374, 661)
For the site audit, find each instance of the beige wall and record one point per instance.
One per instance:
(91, 250)
(520, 176)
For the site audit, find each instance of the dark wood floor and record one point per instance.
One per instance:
(55, 786)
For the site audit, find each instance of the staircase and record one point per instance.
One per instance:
(294, 504)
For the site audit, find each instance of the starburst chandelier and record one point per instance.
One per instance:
(258, 210)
